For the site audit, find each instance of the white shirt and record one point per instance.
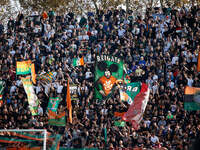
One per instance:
(171, 84)
(121, 32)
(40, 110)
(154, 139)
(88, 74)
(150, 83)
(147, 122)
(155, 88)
(46, 87)
(174, 59)
(38, 89)
(59, 88)
(155, 77)
(104, 111)
(12, 89)
(190, 82)
(94, 32)
(18, 83)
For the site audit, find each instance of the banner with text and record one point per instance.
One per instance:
(108, 70)
(32, 98)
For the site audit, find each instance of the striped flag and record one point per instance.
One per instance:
(192, 98)
(46, 78)
(78, 61)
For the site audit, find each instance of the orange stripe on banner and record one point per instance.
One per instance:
(198, 64)
(11, 148)
(33, 75)
(51, 114)
(191, 90)
(61, 115)
(28, 137)
(69, 105)
(118, 114)
(35, 148)
(5, 141)
(58, 146)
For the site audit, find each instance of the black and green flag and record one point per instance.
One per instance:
(108, 70)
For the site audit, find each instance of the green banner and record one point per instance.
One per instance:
(108, 70)
(129, 91)
(54, 103)
(32, 97)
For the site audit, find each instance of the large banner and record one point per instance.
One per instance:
(108, 70)
(137, 107)
(23, 67)
(56, 119)
(32, 98)
(192, 98)
(129, 91)
(53, 103)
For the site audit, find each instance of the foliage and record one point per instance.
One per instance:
(80, 7)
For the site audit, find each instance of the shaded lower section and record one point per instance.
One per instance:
(191, 106)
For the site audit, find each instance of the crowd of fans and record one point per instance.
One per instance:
(160, 49)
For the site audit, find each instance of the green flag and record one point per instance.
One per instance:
(120, 123)
(53, 103)
(78, 62)
(129, 91)
(108, 70)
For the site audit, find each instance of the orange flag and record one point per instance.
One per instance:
(82, 61)
(198, 64)
(44, 15)
(69, 104)
(33, 75)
